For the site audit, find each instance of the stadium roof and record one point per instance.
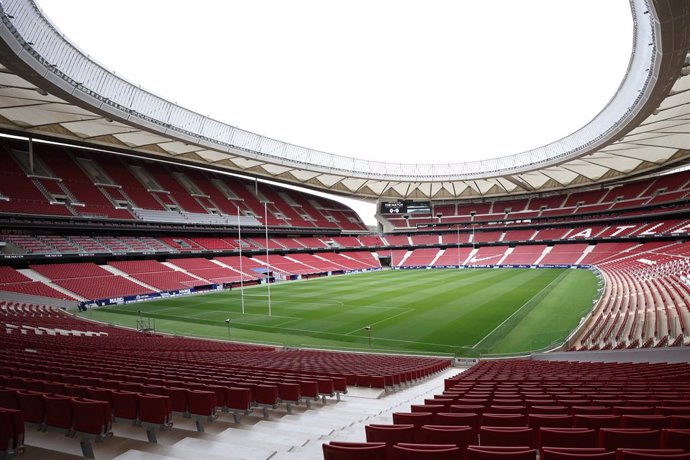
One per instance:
(50, 89)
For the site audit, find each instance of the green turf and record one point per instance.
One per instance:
(462, 312)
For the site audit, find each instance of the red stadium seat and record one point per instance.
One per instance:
(417, 419)
(11, 433)
(654, 422)
(202, 407)
(289, 393)
(125, 406)
(497, 452)
(56, 388)
(8, 398)
(179, 401)
(673, 410)
(155, 413)
(633, 410)
(92, 422)
(466, 408)
(515, 420)
(309, 390)
(507, 409)
(92, 417)
(457, 419)
(596, 421)
(585, 410)
(404, 451)
(675, 439)
(390, 434)
(239, 402)
(34, 385)
(32, 407)
(537, 421)
(650, 454)
(632, 438)
(267, 397)
(16, 383)
(354, 451)
(568, 437)
(100, 394)
(563, 410)
(574, 454)
(326, 388)
(461, 436)
(446, 402)
(59, 413)
(433, 408)
(506, 436)
(680, 421)
(76, 391)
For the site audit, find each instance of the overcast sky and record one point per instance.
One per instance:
(395, 80)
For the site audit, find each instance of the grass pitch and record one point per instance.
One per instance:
(462, 312)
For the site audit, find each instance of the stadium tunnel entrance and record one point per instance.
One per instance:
(386, 262)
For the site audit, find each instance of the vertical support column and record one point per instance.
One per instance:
(239, 241)
(268, 278)
(31, 156)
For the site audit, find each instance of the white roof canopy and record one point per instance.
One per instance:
(50, 89)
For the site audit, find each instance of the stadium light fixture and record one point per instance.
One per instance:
(368, 329)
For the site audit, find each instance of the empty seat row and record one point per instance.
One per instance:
(641, 407)
(185, 395)
(86, 419)
(595, 421)
(413, 451)
(523, 435)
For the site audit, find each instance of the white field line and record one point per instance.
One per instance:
(517, 311)
(406, 310)
(279, 325)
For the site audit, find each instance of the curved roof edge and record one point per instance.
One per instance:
(33, 49)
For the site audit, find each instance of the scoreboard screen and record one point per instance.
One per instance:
(405, 207)
(393, 207)
(418, 207)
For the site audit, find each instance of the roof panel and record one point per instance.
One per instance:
(586, 169)
(93, 128)
(139, 138)
(181, 147)
(209, 155)
(328, 179)
(30, 117)
(672, 140)
(648, 153)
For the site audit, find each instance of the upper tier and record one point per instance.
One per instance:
(74, 183)
(650, 196)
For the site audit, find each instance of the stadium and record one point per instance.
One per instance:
(175, 287)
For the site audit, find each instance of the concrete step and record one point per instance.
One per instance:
(205, 449)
